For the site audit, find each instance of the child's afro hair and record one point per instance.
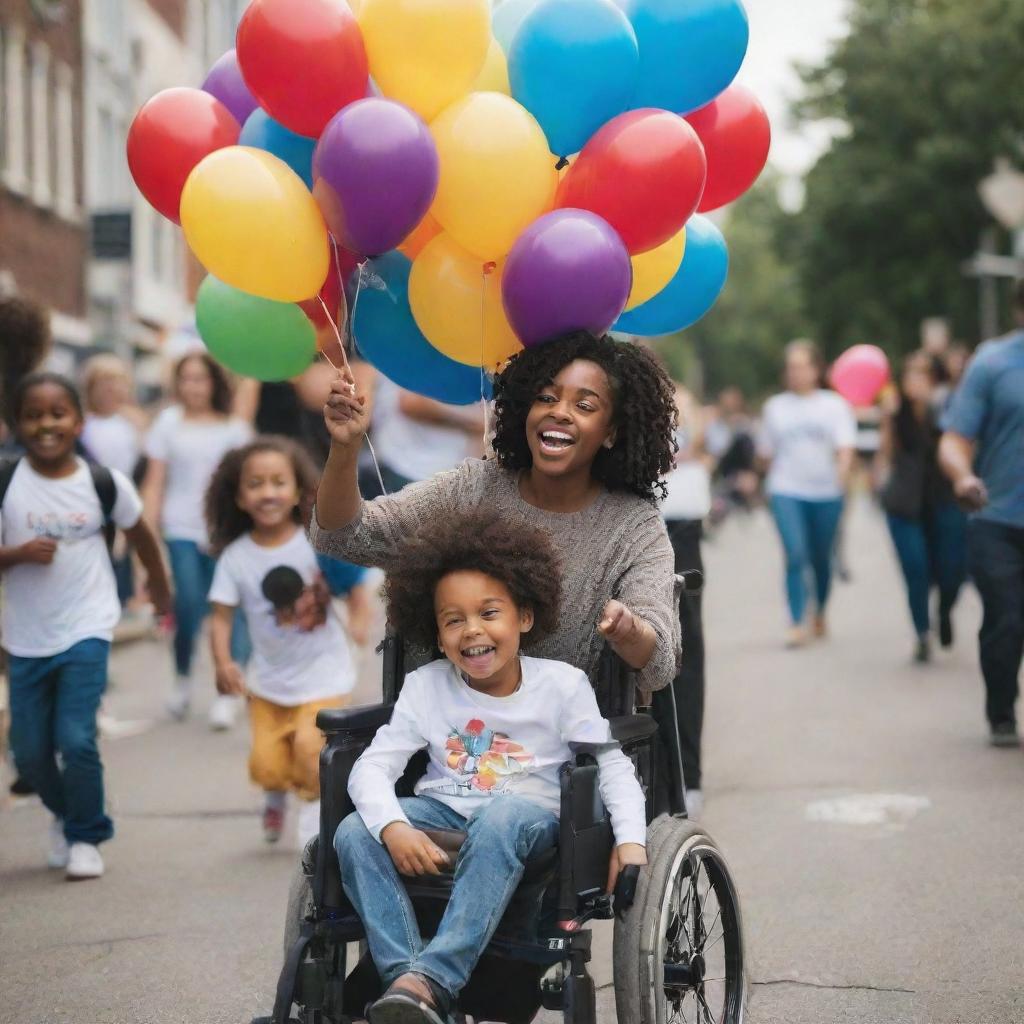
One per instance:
(520, 556)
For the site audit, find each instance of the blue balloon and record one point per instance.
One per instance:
(261, 131)
(690, 50)
(387, 337)
(574, 64)
(691, 293)
(507, 18)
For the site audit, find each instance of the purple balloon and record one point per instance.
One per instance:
(225, 82)
(375, 172)
(568, 271)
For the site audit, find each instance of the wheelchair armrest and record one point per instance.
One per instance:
(631, 729)
(366, 718)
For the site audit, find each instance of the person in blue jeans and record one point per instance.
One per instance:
(807, 440)
(497, 727)
(927, 527)
(59, 611)
(982, 452)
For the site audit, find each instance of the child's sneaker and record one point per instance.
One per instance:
(57, 856)
(84, 861)
(180, 698)
(223, 712)
(273, 817)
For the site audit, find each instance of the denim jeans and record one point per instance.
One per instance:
(931, 551)
(54, 702)
(996, 562)
(503, 835)
(192, 570)
(808, 532)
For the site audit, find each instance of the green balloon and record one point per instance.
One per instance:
(253, 336)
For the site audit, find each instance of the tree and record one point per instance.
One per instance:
(930, 92)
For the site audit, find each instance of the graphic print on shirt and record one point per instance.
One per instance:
(59, 526)
(295, 604)
(485, 760)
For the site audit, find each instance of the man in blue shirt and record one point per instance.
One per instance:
(982, 452)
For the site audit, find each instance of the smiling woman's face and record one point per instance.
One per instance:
(571, 419)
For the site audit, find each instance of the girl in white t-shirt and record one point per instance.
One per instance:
(184, 446)
(59, 611)
(255, 508)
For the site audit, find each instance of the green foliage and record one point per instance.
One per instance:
(930, 92)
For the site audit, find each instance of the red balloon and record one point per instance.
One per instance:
(643, 172)
(737, 136)
(302, 59)
(332, 292)
(860, 373)
(170, 134)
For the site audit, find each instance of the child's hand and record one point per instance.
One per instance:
(627, 853)
(413, 852)
(230, 680)
(39, 550)
(160, 598)
(345, 411)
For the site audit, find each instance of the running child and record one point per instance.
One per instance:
(60, 608)
(257, 502)
(497, 726)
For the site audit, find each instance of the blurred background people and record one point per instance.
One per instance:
(927, 527)
(729, 440)
(807, 442)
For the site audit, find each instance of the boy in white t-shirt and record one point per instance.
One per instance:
(59, 611)
(497, 727)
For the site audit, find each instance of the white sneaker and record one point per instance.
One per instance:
(57, 856)
(180, 699)
(84, 861)
(308, 824)
(223, 712)
(694, 804)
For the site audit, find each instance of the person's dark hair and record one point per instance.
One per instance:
(224, 519)
(282, 586)
(220, 399)
(33, 380)
(24, 343)
(644, 416)
(520, 556)
(911, 434)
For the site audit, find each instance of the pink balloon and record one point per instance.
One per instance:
(860, 373)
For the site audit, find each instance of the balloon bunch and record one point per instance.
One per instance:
(483, 185)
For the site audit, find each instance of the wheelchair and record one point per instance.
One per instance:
(678, 939)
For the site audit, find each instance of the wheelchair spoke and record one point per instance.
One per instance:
(704, 1006)
(711, 928)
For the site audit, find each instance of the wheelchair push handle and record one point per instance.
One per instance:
(625, 889)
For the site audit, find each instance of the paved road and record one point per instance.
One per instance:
(911, 914)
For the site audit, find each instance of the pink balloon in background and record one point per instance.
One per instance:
(860, 373)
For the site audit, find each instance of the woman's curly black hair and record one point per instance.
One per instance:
(645, 411)
(521, 557)
(224, 519)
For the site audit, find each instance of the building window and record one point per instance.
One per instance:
(42, 191)
(64, 119)
(15, 153)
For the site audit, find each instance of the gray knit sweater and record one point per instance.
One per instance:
(615, 548)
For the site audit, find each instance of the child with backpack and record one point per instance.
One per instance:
(57, 516)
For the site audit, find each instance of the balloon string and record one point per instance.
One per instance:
(484, 273)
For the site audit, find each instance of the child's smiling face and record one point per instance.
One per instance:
(479, 628)
(49, 424)
(267, 489)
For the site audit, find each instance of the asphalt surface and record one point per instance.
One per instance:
(874, 837)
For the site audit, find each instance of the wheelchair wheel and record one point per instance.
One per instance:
(679, 950)
(300, 895)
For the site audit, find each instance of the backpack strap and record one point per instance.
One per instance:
(7, 469)
(106, 491)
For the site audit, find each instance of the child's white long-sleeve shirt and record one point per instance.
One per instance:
(482, 747)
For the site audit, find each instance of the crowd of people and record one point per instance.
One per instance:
(590, 441)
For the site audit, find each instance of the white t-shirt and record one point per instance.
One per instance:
(482, 747)
(415, 450)
(49, 608)
(113, 441)
(192, 450)
(801, 435)
(689, 487)
(299, 654)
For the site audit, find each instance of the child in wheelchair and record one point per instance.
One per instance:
(496, 726)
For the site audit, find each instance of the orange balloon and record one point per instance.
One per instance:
(426, 231)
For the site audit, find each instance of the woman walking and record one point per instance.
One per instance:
(927, 527)
(807, 439)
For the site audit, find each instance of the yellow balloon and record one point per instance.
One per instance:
(497, 174)
(425, 53)
(456, 300)
(415, 242)
(251, 221)
(494, 75)
(652, 270)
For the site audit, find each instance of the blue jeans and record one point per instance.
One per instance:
(503, 835)
(54, 702)
(931, 550)
(192, 570)
(808, 532)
